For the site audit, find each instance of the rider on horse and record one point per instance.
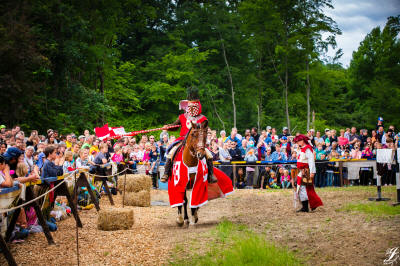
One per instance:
(192, 107)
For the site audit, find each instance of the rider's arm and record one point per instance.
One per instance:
(177, 122)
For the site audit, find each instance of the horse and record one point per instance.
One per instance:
(194, 150)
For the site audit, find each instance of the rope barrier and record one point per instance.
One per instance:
(33, 200)
(108, 175)
(39, 197)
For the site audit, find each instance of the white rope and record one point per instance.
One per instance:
(94, 175)
(35, 199)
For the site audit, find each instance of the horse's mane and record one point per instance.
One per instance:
(185, 140)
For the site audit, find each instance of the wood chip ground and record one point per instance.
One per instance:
(326, 236)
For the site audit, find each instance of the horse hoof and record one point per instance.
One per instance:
(179, 221)
(187, 223)
(193, 220)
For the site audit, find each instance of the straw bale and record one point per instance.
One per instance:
(141, 198)
(135, 183)
(111, 219)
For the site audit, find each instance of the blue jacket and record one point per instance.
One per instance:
(51, 170)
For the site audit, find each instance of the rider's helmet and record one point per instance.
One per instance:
(192, 105)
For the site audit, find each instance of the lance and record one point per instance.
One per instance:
(134, 133)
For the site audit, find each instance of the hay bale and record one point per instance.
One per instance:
(140, 199)
(110, 219)
(135, 183)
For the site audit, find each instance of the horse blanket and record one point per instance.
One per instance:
(201, 191)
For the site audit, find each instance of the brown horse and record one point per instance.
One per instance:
(194, 149)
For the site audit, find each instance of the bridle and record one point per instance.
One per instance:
(200, 141)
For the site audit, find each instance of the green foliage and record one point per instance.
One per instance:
(78, 64)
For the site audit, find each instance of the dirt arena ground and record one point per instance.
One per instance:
(327, 236)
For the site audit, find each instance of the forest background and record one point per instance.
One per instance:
(72, 65)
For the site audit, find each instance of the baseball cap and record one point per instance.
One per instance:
(326, 129)
(12, 152)
(284, 137)
(2, 126)
(380, 118)
(81, 137)
(268, 127)
(285, 128)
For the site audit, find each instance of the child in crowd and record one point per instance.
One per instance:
(146, 156)
(367, 153)
(117, 156)
(23, 175)
(153, 158)
(319, 151)
(135, 153)
(140, 152)
(68, 162)
(273, 180)
(356, 153)
(264, 177)
(334, 155)
(293, 157)
(250, 158)
(241, 179)
(83, 159)
(285, 179)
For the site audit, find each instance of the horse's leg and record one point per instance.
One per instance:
(185, 217)
(195, 216)
(179, 219)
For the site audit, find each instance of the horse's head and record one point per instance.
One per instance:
(197, 139)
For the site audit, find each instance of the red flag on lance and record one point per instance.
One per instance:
(119, 132)
(102, 132)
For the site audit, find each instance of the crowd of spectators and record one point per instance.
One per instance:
(30, 158)
(27, 158)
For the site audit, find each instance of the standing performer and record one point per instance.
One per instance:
(192, 108)
(307, 170)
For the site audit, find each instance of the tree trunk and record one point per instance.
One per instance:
(313, 119)
(230, 79)
(286, 94)
(258, 117)
(308, 94)
(216, 113)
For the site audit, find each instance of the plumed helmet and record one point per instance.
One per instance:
(193, 94)
(301, 137)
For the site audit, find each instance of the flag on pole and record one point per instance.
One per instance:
(102, 132)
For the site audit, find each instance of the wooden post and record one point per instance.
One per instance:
(123, 195)
(6, 252)
(341, 172)
(63, 190)
(83, 182)
(234, 175)
(39, 215)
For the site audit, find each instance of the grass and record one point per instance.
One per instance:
(234, 244)
(372, 189)
(373, 209)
